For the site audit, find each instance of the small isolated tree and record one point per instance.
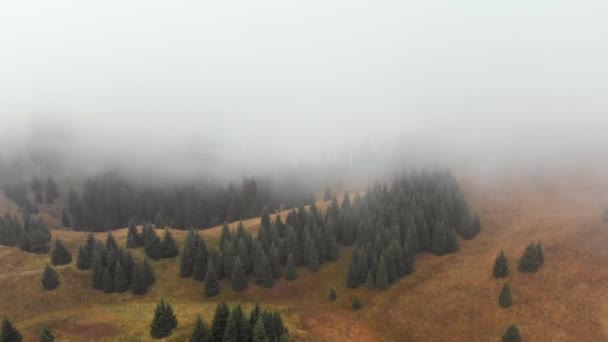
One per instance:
(511, 334)
(212, 285)
(46, 336)
(291, 272)
(164, 320)
(239, 278)
(356, 303)
(9, 333)
(504, 299)
(333, 295)
(531, 259)
(50, 279)
(501, 269)
(60, 255)
(169, 247)
(201, 332)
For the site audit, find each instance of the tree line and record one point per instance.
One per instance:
(108, 201)
(33, 235)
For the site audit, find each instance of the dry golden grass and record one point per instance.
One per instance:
(450, 298)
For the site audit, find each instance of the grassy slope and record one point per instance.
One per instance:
(448, 298)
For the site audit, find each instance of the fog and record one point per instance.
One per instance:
(238, 87)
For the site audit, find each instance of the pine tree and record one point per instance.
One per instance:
(259, 331)
(9, 332)
(148, 272)
(313, 258)
(200, 333)
(504, 299)
(352, 280)
(164, 320)
(230, 333)
(98, 271)
(169, 247)
(440, 242)
(511, 334)
(139, 284)
(200, 262)
(291, 272)
(327, 196)
(239, 278)
(212, 285)
(133, 238)
(50, 279)
(111, 242)
(46, 336)
(82, 261)
(220, 319)
(60, 255)
(356, 303)
(530, 260)
(381, 280)
(333, 295)
(369, 282)
(242, 324)
(501, 268)
(51, 190)
(65, 219)
(121, 281)
(108, 281)
(263, 272)
(186, 269)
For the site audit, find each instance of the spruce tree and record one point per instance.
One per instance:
(60, 255)
(529, 261)
(139, 284)
(230, 333)
(259, 331)
(200, 333)
(333, 295)
(121, 281)
(65, 219)
(370, 282)
(511, 334)
(164, 320)
(50, 279)
(111, 242)
(133, 238)
(313, 258)
(98, 270)
(381, 280)
(148, 272)
(501, 268)
(186, 269)
(108, 281)
(242, 324)
(290, 272)
(263, 272)
(82, 261)
(352, 280)
(9, 332)
(169, 247)
(46, 335)
(356, 303)
(239, 278)
(212, 284)
(220, 319)
(440, 242)
(200, 262)
(504, 299)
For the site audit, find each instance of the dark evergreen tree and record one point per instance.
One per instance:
(139, 284)
(212, 284)
(201, 332)
(369, 281)
(313, 258)
(529, 261)
(511, 334)
(291, 272)
(111, 242)
(504, 299)
(65, 219)
(51, 190)
(200, 262)
(186, 269)
(230, 333)
(352, 281)
(440, 239)
(501, 268)
(328, 195)
(46, 335)
(381, 281)
(239, 278)
(60, 254)
(169, 247)
(9, 332)
(220, 319)
(121, 281)
(333, 295)
(356, 303)
(50, 279)
(98, 271)
(164, 320)
(108, 281)
(148, 272)
(259, 332)
(133, 237)
(242, 324)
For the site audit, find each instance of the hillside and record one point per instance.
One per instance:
(449, 298)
